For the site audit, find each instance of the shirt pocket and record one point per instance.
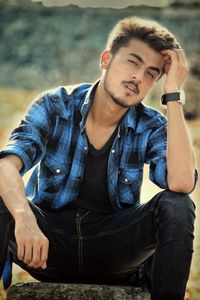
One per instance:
(54, 171)
(129, 185)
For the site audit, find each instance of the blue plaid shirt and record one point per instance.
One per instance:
(52, 139)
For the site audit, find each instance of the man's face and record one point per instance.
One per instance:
(131, 73)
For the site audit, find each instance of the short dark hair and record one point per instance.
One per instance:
(151, 32)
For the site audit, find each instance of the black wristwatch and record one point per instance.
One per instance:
(178, 96)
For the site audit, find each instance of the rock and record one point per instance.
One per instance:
(61, 291)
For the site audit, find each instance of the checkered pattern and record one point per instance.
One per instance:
(52, 139)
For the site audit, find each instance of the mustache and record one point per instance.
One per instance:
(132, 83)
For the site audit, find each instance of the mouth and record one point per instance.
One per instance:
(132, 88)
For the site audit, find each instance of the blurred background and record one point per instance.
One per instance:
(43, 45)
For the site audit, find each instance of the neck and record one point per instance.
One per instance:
(104, 112)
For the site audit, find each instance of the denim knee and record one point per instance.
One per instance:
(177, 203)
(175, 214)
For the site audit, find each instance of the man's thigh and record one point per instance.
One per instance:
(58, 227)
(113, 246)
(88, 246)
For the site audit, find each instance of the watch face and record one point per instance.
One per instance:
(182, 97)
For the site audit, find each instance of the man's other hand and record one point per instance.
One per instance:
(176, 70)
(32, 244)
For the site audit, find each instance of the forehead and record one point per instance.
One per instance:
(148, 55)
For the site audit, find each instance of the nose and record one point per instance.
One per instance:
(138, 75)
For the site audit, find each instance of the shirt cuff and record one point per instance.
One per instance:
(10, 149)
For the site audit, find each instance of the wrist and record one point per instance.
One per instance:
(174, 104)
(22, 216)
(173, 97)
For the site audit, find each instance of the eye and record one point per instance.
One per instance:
(133, 62)
(150, 75)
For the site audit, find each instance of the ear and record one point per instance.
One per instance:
(105, 59)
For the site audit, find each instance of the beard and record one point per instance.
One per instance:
(117, 100)
(114, 98)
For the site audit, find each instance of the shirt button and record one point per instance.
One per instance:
(57, 171)
(85, 148)
(113, 151)
(126, 180)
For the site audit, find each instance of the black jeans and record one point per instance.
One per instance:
(89, 247)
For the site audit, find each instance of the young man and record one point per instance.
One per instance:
(84, 221)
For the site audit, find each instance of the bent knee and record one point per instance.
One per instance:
(177, 205)
(175, 214)
(178, 199)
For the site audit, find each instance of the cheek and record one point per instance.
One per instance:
(118, 72)
(114, 74)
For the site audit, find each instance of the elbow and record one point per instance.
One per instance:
(185, 186)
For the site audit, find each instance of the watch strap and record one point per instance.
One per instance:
(170, 97)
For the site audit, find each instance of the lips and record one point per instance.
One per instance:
(133, 88)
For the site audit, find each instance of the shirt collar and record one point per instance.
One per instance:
(89, 97)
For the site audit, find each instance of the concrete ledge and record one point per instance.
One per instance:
(61, 291)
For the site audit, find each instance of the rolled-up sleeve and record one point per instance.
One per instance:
(28, 140)
(156, 156)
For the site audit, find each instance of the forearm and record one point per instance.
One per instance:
(180, 156)
(32, 244)
(12, 191)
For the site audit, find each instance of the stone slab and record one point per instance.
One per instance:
(61, 291)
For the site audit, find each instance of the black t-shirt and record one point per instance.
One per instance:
(94, 191)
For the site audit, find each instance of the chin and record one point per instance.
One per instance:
(122, 103)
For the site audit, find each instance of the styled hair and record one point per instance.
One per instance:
(152, 33)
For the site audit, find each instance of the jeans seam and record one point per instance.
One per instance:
(102, 234)
(80, 243)
(87, 213)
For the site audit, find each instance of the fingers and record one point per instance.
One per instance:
(33, 250)
(182, 60)
(40, 255)
(28, 252)
(176, 69)
(167, 65)
(36, 257)
(20, 250)
(44, 254)
(172, 60)
(175, 56)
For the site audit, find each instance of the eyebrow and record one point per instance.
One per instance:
(142, 61)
